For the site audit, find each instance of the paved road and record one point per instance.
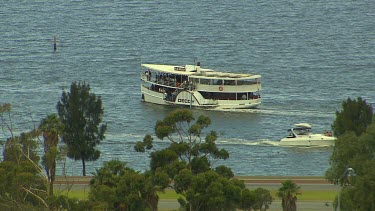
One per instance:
(252, 182)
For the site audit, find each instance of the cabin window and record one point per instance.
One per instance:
(205, 81)
(229, 82)
(248, 81)
(217, 81)
(242, 96)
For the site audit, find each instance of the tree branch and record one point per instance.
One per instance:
(38, 197)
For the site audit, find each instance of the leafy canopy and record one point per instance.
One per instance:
(355, 116)
(357, 153)
(355, 150)
(118, 187)
(188, 162)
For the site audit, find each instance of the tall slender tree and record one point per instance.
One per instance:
(51, 128)
(81, 112)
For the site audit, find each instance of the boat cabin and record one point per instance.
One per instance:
(299, 129)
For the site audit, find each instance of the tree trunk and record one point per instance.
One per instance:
(83, 167)
(52, 178)
(152, 201)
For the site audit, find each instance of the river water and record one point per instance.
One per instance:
(312, 55)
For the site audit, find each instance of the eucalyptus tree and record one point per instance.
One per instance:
(81, 113)
(186, 142)
(288, 193)
(51, 128)
(189, 163)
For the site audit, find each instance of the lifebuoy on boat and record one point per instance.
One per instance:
(221, 88)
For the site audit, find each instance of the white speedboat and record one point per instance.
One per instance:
(191, 85)
(301, 135)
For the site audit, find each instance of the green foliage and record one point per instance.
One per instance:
(146, 144)
(288, 193)
(81, 113)
(355, 149)
(224, 171)
(117, 187)
(51, 128)
(258, 199)
(247, 200)
(188, 162)
(356, 152)
(22, 186)
(63, 202)
(186, 145)
(347, 149)
(162, 158)
(5, 109)
(21, 148)
(211, 191)
(346, 201)
(263, 199)
(355, 116)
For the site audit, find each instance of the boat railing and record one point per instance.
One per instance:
(169, 83)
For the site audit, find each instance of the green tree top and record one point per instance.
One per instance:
(81, 113)
(355, 116)
(288, 193)
(187, 144)
(118, 187)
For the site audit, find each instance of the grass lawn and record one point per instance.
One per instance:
(170, 194)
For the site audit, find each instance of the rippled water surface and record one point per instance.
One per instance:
(312, 55)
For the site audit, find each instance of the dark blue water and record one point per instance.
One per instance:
(312, 55)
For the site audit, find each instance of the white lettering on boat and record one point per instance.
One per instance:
(184, 100)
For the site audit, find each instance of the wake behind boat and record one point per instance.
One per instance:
(301, 135)
(193, 86)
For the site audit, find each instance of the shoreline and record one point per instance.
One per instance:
(85, 180)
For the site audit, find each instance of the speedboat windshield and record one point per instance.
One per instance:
(302, 131)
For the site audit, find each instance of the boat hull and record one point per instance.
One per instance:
(195, 99)
(319, 141)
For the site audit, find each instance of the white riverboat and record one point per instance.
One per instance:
(301, 135)
(191, 85)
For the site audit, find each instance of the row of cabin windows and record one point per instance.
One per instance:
(230, 96)
(165, 77)
(223, 82)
